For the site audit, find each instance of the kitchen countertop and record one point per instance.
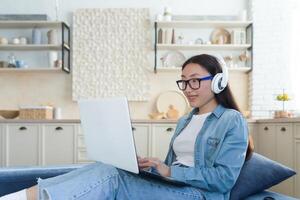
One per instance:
(78, 121)
(162, 121)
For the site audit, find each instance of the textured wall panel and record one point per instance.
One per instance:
(110, 48)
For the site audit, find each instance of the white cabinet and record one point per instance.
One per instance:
(58, 144)
(1, 145)
(161, 137)
(37, 144)
(276, 143)
(297, 159)
(267, 140)
(22, 145)
(142, 138)
(297, 168)
(252, 127)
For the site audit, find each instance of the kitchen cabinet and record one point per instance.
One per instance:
(161, 137)
(38, 144)
(142, 137)
(297, 167)
(252, 127)
(81, 153)
(201, 27)
(267, 140)
(297, 159)
(276, 142)
(63, 143)
(62, 46)
(1, 145)
(22, 144)
(58, 146)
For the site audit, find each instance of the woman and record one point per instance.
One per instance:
(207, 150)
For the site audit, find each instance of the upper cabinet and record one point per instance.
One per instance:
(177, 40)
(34, 46)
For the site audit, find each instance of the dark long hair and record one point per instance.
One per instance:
(224, 98)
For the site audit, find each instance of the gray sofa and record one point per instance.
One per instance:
(14, 179)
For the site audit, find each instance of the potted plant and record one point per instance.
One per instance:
(283, 97)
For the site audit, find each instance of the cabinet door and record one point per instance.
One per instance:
(284, 154)
(22, 146)
(1, 145)
(254, 132)
(161, 137)
(267, 140)
(142, 139)
(297, 167)
(58, 144)
(297, 130)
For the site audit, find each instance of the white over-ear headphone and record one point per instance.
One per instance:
(220, 80)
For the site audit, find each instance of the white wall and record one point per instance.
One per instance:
(271, 70)
(199, 7)
(55, 88)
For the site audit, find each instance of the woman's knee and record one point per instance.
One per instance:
(104, 169)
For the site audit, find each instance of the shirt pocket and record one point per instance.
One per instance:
(213, 142)
(211, 146)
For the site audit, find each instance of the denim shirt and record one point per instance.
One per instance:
(219, 154)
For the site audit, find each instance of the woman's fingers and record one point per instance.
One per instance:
(149, 163)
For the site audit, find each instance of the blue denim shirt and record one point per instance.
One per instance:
(220, 152)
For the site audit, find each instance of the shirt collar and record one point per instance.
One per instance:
(217, 112)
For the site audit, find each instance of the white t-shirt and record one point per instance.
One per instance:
(184, 144)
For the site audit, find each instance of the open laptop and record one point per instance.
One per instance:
(108, 135)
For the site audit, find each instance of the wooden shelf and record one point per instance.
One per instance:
(30, 47)
(178, 69)
(30, 24)
(36, 69)
(203, 47)
(203, 24)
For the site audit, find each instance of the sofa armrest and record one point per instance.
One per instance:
(18, 178)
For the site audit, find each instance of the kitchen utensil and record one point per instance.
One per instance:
(173, 59)
(15, 41)
(9, 114)
(174, 98)
(52, 36)
(220, 36)
(36, 36)
(3, 41)
(23, 40)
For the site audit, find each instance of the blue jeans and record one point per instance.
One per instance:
(100, 181)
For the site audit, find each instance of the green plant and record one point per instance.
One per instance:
(283, 97)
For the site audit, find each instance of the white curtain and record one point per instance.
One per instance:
(294, 54)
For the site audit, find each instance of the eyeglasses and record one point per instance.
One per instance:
(194, 83)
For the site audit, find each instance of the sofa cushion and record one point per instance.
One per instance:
(257, 174)
(274, 195)
(13, 179)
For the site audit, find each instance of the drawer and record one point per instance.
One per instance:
(297, 130)
(80, 141)
(82, 156)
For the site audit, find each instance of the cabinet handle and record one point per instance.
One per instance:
(133, 129)
(283, 129)
(22, 128)
(59, 128)
(266, 128)
(169, 129)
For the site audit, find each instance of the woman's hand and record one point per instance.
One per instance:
(161, 167)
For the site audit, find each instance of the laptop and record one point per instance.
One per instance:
(109, 138)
